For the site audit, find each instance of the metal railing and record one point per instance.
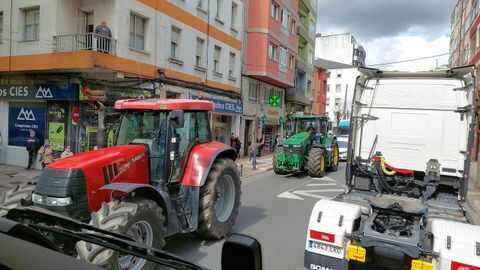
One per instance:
(84, 42)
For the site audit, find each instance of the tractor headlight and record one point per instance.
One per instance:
(297, 146)
(51, 201)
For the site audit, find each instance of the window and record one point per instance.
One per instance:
(1, 27)
(200, 4)
(310, 56)
(233, 21)
(137, 32)
(274, 10)
(338, 88)
(285, 19)
(253, 92)
(216, 60)
(337, 102)
(312, 27)
(199, 52)
(292, 62)
(32, 24)
(294, 26)
(219, 9)
(272, 51)
(327, 102)
(309, 86)
(328, 88)
(231, 68)
(269, 92)
(175, 43)
(203, 124)
(283, 59)
(339, 75)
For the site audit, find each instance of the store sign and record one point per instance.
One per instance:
(23, 117)
(224, 106)
(39, 92)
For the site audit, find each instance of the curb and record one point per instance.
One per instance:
(257, 172)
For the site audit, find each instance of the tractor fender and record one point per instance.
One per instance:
(201, 160)
(161, 197)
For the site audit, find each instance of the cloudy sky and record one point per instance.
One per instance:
(392, 30)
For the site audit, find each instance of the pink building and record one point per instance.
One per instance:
(269, 57)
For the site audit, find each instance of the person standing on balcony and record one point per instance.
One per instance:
(103, 36)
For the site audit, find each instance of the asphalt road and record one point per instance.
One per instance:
(275, 210)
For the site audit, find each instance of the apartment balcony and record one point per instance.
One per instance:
(297, 96)
(84, 42)
(302, 30)
(310, 5)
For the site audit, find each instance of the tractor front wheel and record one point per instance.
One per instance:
(141, 219)
(317, 161)
(276, 154)
(335, 155)
(219, 200)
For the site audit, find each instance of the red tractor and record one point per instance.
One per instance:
(164, 176)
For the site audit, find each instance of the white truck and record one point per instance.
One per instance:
(407, 176)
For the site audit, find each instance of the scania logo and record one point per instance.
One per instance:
(26, 115)
(43, 93)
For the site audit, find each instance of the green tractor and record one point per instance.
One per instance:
(309, 147)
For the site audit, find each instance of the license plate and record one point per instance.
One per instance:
(324, 248)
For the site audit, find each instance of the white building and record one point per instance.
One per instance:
(175, 49)
(341, 48)
(340, 87)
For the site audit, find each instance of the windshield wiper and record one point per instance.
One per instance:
(44, 220)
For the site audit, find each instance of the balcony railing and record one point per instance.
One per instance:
(84, 42)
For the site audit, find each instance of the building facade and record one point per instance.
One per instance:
(465, 45)
(320, 91)
(299, 97)
(270, 53)
(56, 69)
(341, 48)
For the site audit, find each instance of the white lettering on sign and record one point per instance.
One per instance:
(26, 115)
(318, 267)
(17, 91)
(43, 93)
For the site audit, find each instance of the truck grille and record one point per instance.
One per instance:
(290, 151)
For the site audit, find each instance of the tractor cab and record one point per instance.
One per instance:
(316, 125)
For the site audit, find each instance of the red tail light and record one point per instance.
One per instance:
(462, 266)
(327, 237)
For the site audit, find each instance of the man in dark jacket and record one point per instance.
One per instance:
(33, 144)
(103, 37)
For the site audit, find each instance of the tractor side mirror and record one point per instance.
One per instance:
(176, 118)
(241, 252)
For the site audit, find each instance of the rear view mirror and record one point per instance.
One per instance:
(241, 252)
(176, 118)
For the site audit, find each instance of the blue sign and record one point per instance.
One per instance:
(224, 106)
(39, 91)
(23, 117)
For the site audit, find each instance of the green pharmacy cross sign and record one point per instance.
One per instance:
(274, 101)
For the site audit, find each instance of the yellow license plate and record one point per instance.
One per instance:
(421, 265)
(356, 253)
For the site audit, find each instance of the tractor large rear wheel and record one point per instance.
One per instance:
(276, 154)
(219, 200)
(141, 219)
(335, 155)
(317, 161)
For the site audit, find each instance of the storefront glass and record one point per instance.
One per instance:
(23, 117)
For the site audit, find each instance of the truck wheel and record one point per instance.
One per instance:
(219, 200)
(13, 196)
(276, 154)
(141, 219)
(335, 157)
(317, 162)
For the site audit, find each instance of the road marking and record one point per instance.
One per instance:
(312, 193)
(288, 195)
(322, 184)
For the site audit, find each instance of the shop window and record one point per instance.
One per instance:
(23, 117)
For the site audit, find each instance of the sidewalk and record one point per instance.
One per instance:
(264, 164)
(12, 175)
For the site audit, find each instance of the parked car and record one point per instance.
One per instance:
(342, 147)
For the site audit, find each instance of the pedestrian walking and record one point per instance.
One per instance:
(103, 37)
(238, 145)
(233, 141)
(260, 145)
(33, 144)
(46, 154)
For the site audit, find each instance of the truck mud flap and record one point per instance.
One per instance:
(319, 262)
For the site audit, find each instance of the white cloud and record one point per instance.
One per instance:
(406, 47)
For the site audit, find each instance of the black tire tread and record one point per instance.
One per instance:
(334, 168)
(313, 165)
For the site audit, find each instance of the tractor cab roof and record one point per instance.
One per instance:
(164, 104)
(299, 117)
